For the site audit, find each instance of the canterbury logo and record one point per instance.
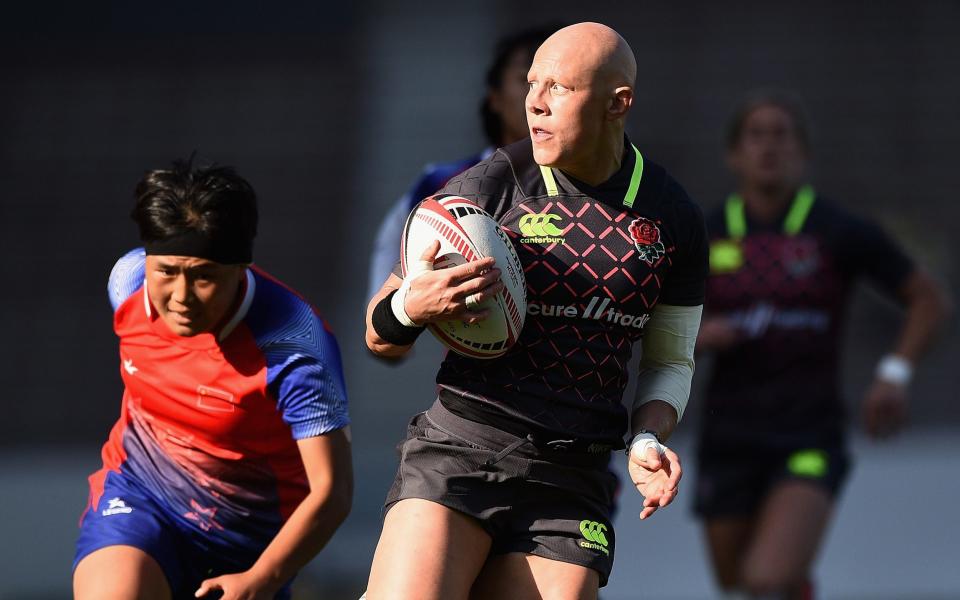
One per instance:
(540, 227)
(594, 532)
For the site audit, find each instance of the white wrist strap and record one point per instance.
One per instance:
(894, 369)
(398, 302)
(641, 442)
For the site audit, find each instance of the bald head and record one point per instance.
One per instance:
(597, 51)
(581, 89)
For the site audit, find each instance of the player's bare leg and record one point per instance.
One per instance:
(727, 540)
(521, 576)
(119, 573)
(790, 527)
(426, 552)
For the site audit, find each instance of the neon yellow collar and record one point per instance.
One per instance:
(792, 224)
(628, 199)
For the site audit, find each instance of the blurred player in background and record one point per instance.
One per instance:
(503, 489)
(229, 468)
(504, 122)
(783, 261)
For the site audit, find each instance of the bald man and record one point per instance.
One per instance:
(503, 489)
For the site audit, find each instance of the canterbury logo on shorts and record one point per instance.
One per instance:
(539, 229)
(594, 536)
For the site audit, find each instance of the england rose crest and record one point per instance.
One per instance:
(646, 236)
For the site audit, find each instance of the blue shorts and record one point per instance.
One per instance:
(126, 515)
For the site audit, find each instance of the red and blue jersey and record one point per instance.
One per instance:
(209, 423)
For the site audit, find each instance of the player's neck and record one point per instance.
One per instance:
(234, 307)
(600, 164)
(766, 204)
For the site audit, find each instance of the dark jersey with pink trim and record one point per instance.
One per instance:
(595, 268)
(787, 294)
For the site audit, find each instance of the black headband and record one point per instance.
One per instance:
(223, 249)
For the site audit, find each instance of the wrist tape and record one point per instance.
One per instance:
(398, 302)
(638, 446)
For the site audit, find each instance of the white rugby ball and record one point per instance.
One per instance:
(466, 233)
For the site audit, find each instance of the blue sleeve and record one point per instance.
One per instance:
(126, 277)
(310, 390)
(386, 246)
(304, 371)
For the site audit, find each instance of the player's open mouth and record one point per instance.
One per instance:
(539, 134)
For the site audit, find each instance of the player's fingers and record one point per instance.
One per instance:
(675, 468)
(206, 587)
(667, 497)
(646, 512)
(651, 458)
(430, 253)
(488, 283)
(472, 268)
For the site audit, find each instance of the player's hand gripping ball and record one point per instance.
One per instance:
(467, 233)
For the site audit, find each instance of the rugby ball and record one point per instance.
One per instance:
(467, 233)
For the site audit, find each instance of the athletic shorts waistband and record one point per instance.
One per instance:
(567, 451)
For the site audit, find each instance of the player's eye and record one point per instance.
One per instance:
(164, 271)
(558, 88)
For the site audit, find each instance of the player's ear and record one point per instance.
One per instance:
(620, 103)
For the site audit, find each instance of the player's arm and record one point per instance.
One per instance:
(667, 363)
(865, 249)
(663, 388)
(927, 306)
(397, 314)
(326, 459)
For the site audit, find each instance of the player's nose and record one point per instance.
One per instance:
(180, 290)
(535, 102)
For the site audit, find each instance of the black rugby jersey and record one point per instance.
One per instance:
(786, 286)
(597, 260)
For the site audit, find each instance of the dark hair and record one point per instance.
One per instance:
(527, 41)
(212, 201)
(786, 101)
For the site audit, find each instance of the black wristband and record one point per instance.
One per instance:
(389, 327)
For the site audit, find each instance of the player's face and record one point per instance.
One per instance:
(565, 113)
(508, 99)
(192, 295)
(769, 153)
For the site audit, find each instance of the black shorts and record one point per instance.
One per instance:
(733, 481)
(549, 503)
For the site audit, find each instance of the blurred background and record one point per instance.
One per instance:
(331, 110)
